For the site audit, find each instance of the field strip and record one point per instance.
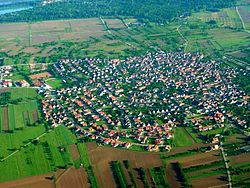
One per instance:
(219, 186)
(28, 64)
(241, 19)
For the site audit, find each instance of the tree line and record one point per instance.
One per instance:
(160, 11)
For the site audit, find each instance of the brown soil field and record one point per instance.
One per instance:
(149, 179)
(242, 158)
(236, 138)
(210, 181)
(186, 148)
(139, 181)
(114, 23)
(102, 156)
(75, 178)
(172, 177)
(31, 50)
(42, 38)
(40, 181)
(40, 75)
(126, 174)
(198, 159)
(6, 119)
(91, 24)
(74, 151)
(35, 115)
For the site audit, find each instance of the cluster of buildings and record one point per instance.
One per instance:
(5, 71)
(140, 100)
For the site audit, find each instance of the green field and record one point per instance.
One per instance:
(194, 135)
(227, 17)
(23, 113)
(23, 93)
(181, 138)
(54, 83)
(51, 152)
(84, 159)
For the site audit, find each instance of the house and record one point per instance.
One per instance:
(24, 83)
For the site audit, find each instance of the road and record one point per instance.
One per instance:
(225, 159)
(186, 41)
(226, 165)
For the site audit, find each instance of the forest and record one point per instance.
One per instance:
(160, 11)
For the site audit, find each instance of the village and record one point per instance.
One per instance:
(141, 100)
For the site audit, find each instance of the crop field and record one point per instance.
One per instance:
(41, 39)
(202, 169)
(21, 115)
(224, 18)
(114, 23)
(47, 41)
(215, 41)
(240, 169)
(72, 177)
(41, 32)
(101, 157)
(245, 14)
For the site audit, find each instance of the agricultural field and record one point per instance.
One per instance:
(114, 24)
(36, 41)
(227, 17)
(22, 114)
(120, 38)
(204, 169)
(215, 39)
(244, 12)
(101, 157)
(31, 157)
